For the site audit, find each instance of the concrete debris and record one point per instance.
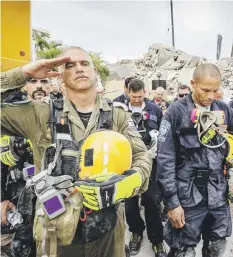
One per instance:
(174, 66)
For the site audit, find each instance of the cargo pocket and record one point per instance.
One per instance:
(190, 141)
(188, 193)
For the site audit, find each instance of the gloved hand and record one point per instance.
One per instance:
(7, 155)
(104, 190)
(5, 207)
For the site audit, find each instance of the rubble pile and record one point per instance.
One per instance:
(174, 66)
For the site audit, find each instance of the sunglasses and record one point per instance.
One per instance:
(182, 95)
(42, 81)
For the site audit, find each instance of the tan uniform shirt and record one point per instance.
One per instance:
(30, 120)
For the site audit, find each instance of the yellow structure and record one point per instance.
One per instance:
(15, 34)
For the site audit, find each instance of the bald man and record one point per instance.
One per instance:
(191, 174)
(159, 95)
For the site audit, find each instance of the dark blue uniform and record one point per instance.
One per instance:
(180, 158)
(152, 197)
(121, 99)
(231, 103)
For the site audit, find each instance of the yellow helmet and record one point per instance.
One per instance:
(105, 151)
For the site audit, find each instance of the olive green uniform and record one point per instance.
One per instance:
(30, 120)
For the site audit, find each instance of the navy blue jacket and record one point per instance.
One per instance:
(154, 119)
(121, 99)
(231, 103)
(180, 156)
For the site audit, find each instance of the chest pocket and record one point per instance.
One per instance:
(189, 138)
(189, 141)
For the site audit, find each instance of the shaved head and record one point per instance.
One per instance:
(206, 70)
(205, 83)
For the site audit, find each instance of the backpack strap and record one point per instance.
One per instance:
(105, 119)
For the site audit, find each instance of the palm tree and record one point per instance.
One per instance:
(40, 40)
(52, 50)
(100, 65)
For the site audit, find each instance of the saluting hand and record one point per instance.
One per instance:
(43, 68)
(176, 217)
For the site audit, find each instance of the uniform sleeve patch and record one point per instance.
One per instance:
(163, 131)
(153, 117)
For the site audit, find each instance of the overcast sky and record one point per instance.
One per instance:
(120, 29)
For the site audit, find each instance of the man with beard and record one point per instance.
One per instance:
(38, 88)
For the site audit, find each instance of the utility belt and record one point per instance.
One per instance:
(201, 179)
(95, 224)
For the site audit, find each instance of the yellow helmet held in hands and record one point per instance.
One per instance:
(105, 151)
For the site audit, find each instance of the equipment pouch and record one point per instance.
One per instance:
(201, 179)
(60, 230)
(97, 224)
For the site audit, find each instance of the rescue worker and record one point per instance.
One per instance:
(182, 91)
(159, 95)
(147, 118)
(16, 162)
(38, 88)
(56, 91)
(191, 174)
(85, 111)
(124, 97)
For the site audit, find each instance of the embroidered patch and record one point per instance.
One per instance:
(163, 131)
(153, 117)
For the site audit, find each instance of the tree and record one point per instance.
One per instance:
(100, 65)
(52, 50)
(40, 40)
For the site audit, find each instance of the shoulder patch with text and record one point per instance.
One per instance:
(163, 131)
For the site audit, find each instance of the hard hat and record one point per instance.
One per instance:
(105, 151)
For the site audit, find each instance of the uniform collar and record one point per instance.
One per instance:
(101, 104)
(142, 107)
(191, 105)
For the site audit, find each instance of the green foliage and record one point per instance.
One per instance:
(52, 50)
(100, 65)
(40, 40)
(47, 49)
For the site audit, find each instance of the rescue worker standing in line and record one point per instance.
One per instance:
(83, 108)
(124, 97)
(16, 155)
(16, 166)
(147, 117)
(192, 174)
